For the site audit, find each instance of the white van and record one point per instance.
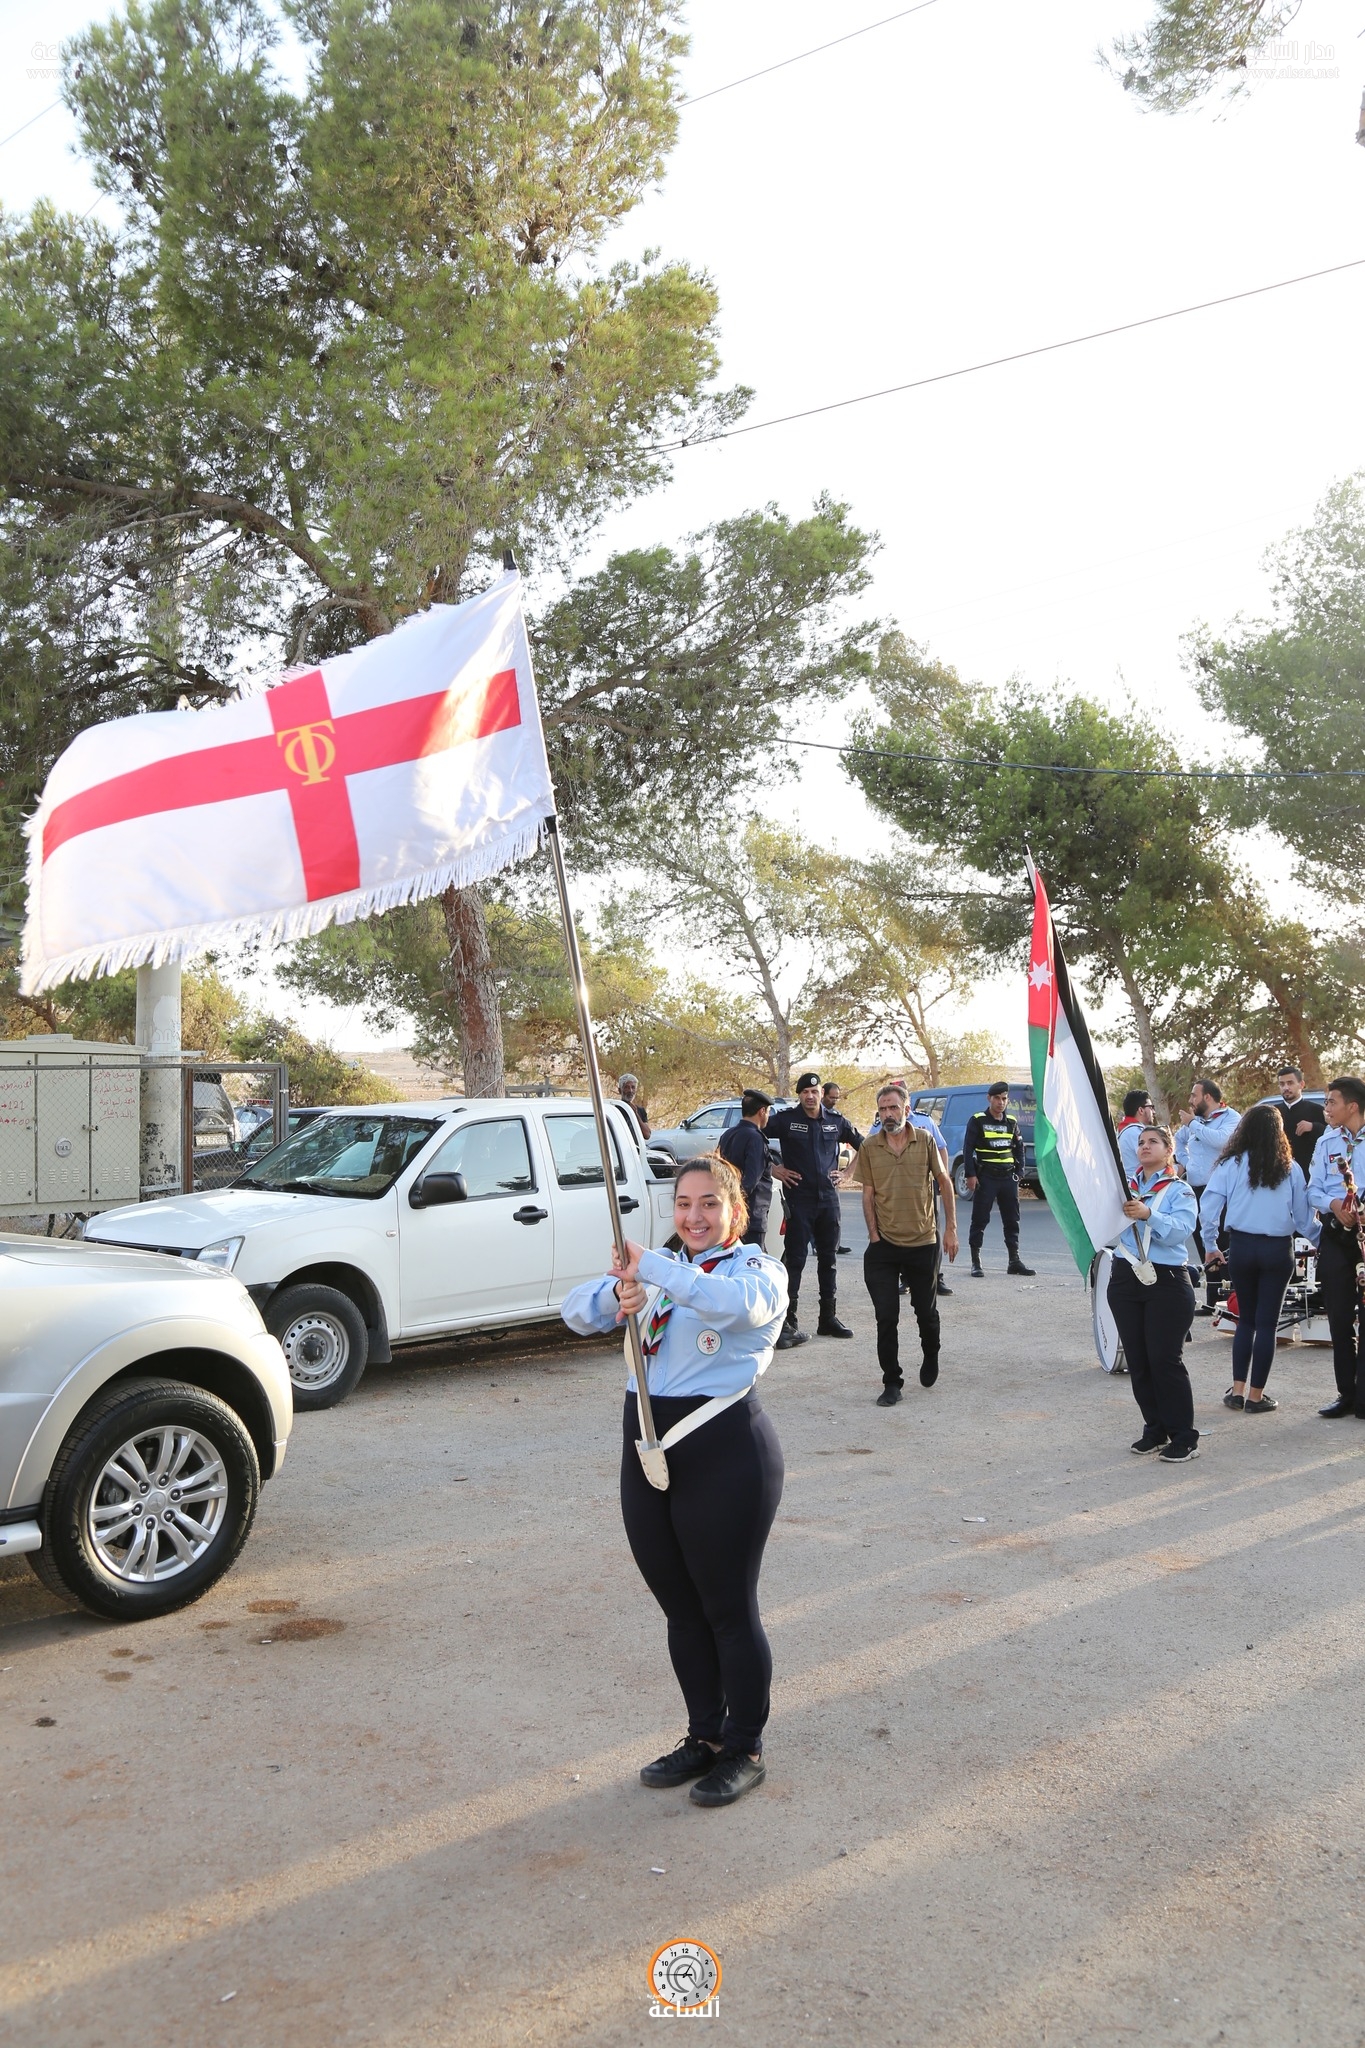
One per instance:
(371, 1228)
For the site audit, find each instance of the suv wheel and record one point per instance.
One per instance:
(325, 1343)
(964, 1193)
(149, 1500)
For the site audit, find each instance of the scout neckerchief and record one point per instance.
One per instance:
(664, 1306)
(1144, 1267)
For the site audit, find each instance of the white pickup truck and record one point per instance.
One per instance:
(378, 1227)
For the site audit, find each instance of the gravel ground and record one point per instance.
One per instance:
(1051, 1759)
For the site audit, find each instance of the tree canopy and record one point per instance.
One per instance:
(1294, 686)
(1191, 48)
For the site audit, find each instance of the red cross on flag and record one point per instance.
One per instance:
(409, 764)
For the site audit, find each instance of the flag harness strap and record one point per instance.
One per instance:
(1144, 1267)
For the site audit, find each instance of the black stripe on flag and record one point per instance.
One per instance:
(1075, 1017)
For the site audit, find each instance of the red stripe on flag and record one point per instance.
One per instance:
(308, 756)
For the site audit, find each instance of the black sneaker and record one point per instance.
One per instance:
(830, 1326)
(928, 1372)
(844, 1249)
(1233, 1400)
(729, 1779)
(691, 1757)
(943, 1287)
(889, 1396)
(1150, 1440)
(791, 1337)
(1016, 1265)
(977, 1273)
(1265, 1406)
(1179, 1454)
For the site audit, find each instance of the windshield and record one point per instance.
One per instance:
(342, 1155)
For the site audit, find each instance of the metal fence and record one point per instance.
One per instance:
(214, 1149)
(80, 1132)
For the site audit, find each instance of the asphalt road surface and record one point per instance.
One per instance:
(1065, 1745)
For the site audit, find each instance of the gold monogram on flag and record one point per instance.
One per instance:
(309, 751)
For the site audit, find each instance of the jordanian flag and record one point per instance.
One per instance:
(1073, 1136)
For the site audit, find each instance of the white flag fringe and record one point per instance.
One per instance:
(409, 765)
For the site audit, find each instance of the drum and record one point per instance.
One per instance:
(1108, 1349)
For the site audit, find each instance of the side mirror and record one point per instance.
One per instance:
(436, 1190)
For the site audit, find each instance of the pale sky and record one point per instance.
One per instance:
(952, 187)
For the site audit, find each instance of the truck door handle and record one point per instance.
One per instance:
(529, 1215)
(626, 1203)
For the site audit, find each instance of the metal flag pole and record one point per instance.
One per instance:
(599, 1107)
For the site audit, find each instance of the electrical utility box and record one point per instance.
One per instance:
(69, 1124)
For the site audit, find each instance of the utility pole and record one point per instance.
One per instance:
(158, 1038)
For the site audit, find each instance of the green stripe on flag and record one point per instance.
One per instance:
(1051, 1172)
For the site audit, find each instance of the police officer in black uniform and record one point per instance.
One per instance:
(809, 1137)
(746, 1148)
(993, 1162)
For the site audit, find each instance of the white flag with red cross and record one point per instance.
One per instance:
(409, 764)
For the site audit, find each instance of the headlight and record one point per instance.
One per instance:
(223, 1255)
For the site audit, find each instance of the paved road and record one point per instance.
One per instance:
(1064, 1744)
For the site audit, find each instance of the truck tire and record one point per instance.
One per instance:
(135, 1565)
(325, 1343)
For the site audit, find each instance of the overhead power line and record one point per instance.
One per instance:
(1058, 768)
(801, 55)
(998, 362)
(16, 132)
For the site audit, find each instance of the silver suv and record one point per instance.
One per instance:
(142, 1402)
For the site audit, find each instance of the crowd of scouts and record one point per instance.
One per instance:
(714, 1306)
(1241, 1189)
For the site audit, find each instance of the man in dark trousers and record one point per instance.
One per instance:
(746, 1148)
(1342, 1144)
(810, 1137)
(993, 1163)
(900, 1169)
(1304, 1122)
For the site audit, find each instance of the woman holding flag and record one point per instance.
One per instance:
(1152, 1301)
(718, 1309)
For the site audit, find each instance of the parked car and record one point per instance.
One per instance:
(214, 1115)
(700, 1131)
(371, 1228)
(142, 1403)
(218, 1169)
(951, 1107)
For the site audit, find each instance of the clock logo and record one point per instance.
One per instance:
(684, 1975)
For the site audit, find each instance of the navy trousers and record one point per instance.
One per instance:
(812, 1223)
(1260, 1269)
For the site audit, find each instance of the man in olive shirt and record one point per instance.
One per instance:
(899, 1170)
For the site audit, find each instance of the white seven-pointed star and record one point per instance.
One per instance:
(1040, 974)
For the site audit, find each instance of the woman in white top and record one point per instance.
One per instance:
(699, 1544)
(1264, 1196)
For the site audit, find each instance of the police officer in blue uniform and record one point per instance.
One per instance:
(1342, 1143)
(810, 1136)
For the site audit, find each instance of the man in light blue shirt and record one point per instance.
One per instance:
(1214, 1123)
(1342, 1143)
(1138, 1114)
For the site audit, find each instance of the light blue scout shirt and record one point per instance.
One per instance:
(1206, 1138)
(1325, 1184)
(1128, 1144)
(1266, 1212)
(723, 1326)
(1182, 1145)
(1169, 1227)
